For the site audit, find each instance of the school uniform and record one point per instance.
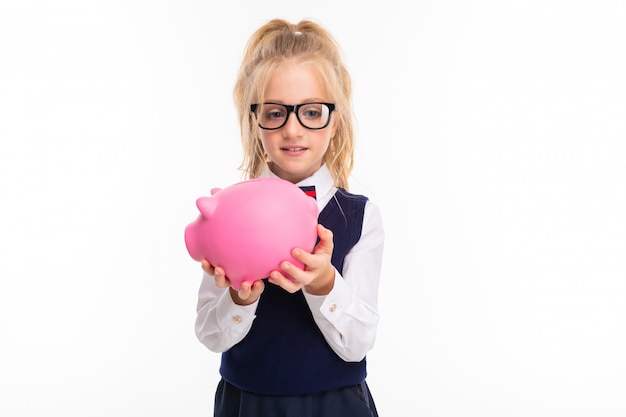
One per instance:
(300, 354)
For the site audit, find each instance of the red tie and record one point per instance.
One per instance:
(310, 191)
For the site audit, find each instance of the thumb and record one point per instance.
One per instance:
(326, 240)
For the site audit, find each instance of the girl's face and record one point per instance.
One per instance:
(296, 151)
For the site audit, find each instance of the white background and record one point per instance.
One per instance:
(492, 135)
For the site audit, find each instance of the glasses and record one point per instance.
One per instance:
(273, 116)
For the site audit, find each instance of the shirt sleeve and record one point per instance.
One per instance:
(220, 323)
(348, 315)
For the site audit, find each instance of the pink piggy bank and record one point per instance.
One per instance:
(249, 228)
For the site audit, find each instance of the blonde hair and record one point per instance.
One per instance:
(271, 45)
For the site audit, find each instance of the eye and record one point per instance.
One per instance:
(274, 113)
(313, 111)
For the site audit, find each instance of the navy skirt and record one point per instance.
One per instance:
(352, 401)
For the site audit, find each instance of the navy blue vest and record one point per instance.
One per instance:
(285, 353)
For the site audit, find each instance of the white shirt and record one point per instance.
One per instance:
(347, 316)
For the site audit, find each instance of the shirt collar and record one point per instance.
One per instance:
(321, 179)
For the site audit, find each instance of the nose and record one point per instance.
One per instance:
(292, 127)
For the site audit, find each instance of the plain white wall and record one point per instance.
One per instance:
(492, 134)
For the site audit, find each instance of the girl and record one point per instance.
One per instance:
(298, 348)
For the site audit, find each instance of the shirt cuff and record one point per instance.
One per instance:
(332, 305)
(232, 316)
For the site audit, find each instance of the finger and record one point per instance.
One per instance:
(220, 278)
(254, 289)
(207, 267)
(292, 273)
(309, 260)
(257, 287)
(322, 230)
(326, 240)
(245, 290)
(300, 255)
(285, 283)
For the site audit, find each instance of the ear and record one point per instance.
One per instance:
(206, 205)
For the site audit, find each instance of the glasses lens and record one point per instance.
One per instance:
(272, 116)
(313, 115)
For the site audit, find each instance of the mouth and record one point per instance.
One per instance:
(294, 149)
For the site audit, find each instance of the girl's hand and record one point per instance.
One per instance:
(247, 294)
(318, 275)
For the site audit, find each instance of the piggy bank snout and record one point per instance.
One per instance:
(193, 241)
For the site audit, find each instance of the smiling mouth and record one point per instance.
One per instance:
(294, 149)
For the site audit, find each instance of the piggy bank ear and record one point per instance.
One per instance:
(215, 190)
(206, 205)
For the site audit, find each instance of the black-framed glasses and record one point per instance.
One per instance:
(273, 116)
